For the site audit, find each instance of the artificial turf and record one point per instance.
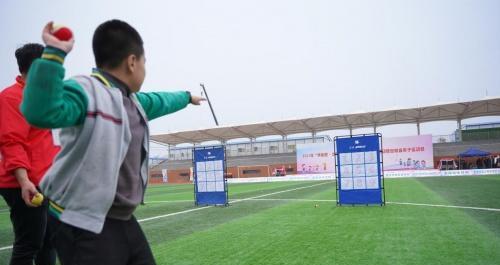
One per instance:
(311, 229)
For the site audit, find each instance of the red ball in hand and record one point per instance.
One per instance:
(62, 33)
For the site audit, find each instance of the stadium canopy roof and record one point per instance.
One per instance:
(442, 112)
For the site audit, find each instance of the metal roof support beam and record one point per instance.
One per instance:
(276, 129)
(459, 129)
(244, 133)
(400, 113)
(366, 119)
(418, 127)
(374, 123)
(471, 108)
(284, 143)
(215, 137)
(303, 122)
(372, 115)
(184, 139)
(313, 134)
(347, 124)
(388, 115)
(252, 140)
(329, 119)
(158, 142)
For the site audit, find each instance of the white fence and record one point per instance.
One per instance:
(387, 174)
(441, 173)
(284, 178)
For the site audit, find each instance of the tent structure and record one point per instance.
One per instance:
(473, 152)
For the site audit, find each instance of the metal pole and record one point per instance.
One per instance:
(195, 188)
(209, 104)
(459, 129)
(381, 154)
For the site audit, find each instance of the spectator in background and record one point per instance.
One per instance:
(479, 163)
(27, 154)
(463, 165)
(487, 162)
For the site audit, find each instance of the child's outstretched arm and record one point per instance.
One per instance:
(157, 104)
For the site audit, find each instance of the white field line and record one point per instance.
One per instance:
(278, 192)
(297, 200)
(398, 203)
(172, 214)
(447, 206)
(5, 248)
(174, 201)
(235, 201)
(251, 198)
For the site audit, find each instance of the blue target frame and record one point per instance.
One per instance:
(209, 168)
(359, 168)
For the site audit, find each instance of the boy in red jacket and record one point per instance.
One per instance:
(26, 153)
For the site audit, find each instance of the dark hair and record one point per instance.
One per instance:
(26, 55)
(113, 41)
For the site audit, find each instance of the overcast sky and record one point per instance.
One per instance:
(271, 60)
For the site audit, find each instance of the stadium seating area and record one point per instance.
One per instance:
(261, 158)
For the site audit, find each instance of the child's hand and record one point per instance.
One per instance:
(51, 40)
(195, 100)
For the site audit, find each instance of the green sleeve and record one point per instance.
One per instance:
(48, 101)
(157, 104)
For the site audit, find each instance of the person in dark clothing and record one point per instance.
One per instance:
(26, 153)
(478, 163)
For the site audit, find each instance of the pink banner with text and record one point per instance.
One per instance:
(315, 158)
(408, 153)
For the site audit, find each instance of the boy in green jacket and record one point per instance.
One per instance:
(100, 175)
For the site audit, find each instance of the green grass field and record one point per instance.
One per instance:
(286, 227)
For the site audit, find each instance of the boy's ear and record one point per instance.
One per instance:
(131, 62)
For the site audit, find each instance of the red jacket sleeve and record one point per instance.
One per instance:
(14, 132)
